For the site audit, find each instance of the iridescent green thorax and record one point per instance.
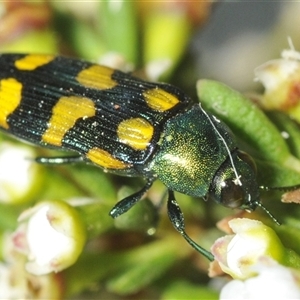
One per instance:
(191, 151)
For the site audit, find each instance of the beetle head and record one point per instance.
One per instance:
(234, 184)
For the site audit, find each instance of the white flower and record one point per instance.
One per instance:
(52, 235)
(237, 254)
(16, 283)
(281, 79)
(273, 281)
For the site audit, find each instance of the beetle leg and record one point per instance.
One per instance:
(125, 204)
(59, 160)
(177, 219)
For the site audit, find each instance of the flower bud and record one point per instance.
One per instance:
(238, 253)
(52, 235)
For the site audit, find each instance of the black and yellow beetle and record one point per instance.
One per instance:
(126, 126)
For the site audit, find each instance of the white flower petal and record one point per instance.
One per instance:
(42, 237)
(273, 72)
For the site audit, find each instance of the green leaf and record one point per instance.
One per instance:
(118, 27)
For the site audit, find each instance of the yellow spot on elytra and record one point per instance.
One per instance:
(160, 100)
(32, 61)
(10, 98)
(135, 132)
(64, 115)
(104, 159)
(97, 77)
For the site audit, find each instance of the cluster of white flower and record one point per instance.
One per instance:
(254, 257)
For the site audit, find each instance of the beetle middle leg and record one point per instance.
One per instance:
(125, 204)
(60, 160)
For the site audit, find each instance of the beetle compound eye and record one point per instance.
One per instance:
(232, 194)
(227, 192)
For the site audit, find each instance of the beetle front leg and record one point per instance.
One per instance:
(177, 219)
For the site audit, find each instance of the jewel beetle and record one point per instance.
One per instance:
(126, 126)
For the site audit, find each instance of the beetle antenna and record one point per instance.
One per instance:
(274, 188)
(267, 212)
(280, 188)
(237, 180)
